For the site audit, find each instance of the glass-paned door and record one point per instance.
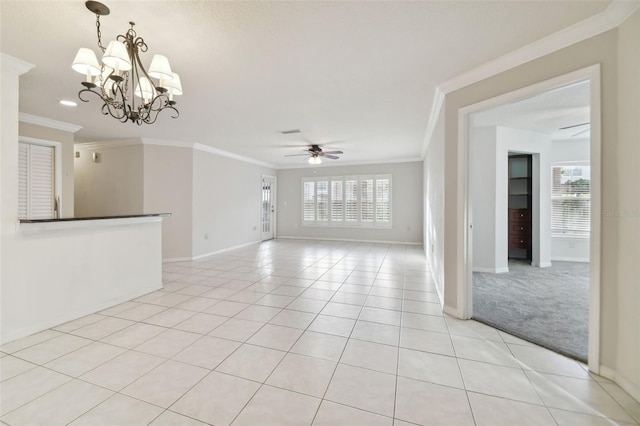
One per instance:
(268, 207)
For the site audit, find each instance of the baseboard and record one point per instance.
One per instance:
(454, 312)
(67, 316)
(202, 256)
(349, 240)
(571, 259)
(491, 270)
(626, 385)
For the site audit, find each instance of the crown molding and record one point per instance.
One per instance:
(163, 142)
(617, 12)
(614, 15)
(47, 122)
(17, 66)
(222, 153)
(436, 108)
(107, 144)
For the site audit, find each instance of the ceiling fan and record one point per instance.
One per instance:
(315, 154)
(585, 130)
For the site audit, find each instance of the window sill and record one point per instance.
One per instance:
(350, 226)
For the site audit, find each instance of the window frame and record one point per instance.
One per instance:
(343, 222)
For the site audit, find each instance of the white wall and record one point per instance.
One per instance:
(114, 184)
(434, 206)
(406, 203)
(570, 150)
(168, 187)
(227, 202)
(617, 52)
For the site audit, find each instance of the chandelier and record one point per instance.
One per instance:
(128, 90)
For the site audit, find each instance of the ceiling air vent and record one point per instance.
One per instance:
(290, 132)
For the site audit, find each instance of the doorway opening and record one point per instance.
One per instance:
(533, 214)
(268, 207)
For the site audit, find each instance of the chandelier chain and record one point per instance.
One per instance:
(99, 33)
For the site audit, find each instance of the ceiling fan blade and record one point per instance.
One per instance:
(333, 157)
(575, 125)
(579, 133)
(333, 152)
(295, 155)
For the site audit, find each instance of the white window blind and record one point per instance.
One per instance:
(36, 186)
(571, 200)
(347, 201)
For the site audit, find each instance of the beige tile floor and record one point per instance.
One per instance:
(296, 333)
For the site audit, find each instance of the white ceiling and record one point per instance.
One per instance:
(355, 76)
(546, 113)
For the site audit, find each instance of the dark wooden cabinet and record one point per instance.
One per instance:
(520, 204)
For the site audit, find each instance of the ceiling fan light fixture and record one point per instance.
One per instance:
(314, 160)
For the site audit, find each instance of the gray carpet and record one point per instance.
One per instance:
(546, 306)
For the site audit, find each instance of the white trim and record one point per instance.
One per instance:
(47, 122)
(233, 156)
(440, 295)
(491, 270)
(464, 284)
(571, 259)
(611, 17)
(326, 164)
(202, 256)
(348, 240)
(614, 15)
(456, 313)
(621, 381)
(107, 144)
(15, 65)
(161, 142)
(436, 109)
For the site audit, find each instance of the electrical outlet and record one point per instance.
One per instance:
(206, 236)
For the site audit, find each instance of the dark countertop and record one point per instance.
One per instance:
(71, 219)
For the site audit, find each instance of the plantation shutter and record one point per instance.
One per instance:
(383, 200)
(571, 200)
(36, 190)
(309, 201)
(351, 200)
(322, 188)
(366, 200)
(337, 197)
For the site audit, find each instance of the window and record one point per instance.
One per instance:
(36, 183)
(347, 201)
(570, 200)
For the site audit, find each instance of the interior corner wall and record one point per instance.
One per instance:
(112, 185)
(619, 246)
(66, 140)
(625, 213)
(407, 208)
(168, 187)
(434, 243)
(227, 203)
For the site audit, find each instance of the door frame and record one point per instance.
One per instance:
(464, 285)
(274, 201)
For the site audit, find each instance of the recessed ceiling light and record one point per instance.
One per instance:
(68, 103)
